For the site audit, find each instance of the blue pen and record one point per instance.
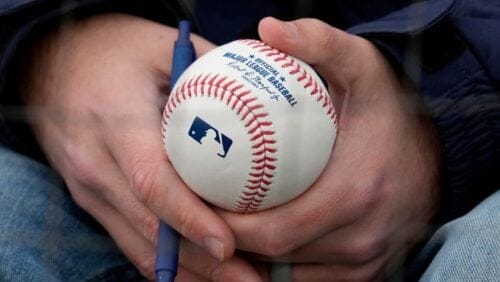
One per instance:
(168, 239)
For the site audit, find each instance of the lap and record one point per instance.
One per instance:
(466, 249)
(44, 236)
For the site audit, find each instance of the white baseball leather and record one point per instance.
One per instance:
(248, 127)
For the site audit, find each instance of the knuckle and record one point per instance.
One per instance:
(187, 221)
(217, 273)
(144, 182)
(227, 271)
(366, 250)
(82, 199)
(326, 39)
(370, 192)
(81, 168)
(150, 225)
(276, 241)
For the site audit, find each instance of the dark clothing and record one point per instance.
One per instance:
(447, 49)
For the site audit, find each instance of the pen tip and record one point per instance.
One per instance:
(165, 276)
(184, 29)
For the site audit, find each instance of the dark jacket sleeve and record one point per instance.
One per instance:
(21, 21)
(449, 50)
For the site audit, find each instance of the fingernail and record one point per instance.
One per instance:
(290, 29)
(215, 247)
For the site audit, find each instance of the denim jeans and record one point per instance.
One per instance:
(44, 236)
(466, 249)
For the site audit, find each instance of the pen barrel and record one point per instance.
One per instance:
(183, 56)
(167, 258)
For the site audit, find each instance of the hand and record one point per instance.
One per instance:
(97, 90)
(375, 199)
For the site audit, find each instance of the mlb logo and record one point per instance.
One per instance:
(210, 137)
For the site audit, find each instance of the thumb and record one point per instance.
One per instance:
(331, 51)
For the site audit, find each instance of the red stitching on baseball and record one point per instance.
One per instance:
(309, 82)
(290, 63)
(282, 58)
(251, 112)
(273, 53)
(301, 74)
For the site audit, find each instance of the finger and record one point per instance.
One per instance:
(184, 275)
(326, 272)
(196, 260)
(136, 248)
(262, 267)
(339, 247)
(359, 244)
(330, 204)
(317, 43)
(96, 171)
(137, 148)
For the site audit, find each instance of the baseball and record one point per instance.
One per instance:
(248, 127)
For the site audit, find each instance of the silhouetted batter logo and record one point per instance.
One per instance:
(210, 137)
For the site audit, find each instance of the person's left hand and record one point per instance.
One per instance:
(379, 191)
(95, 90)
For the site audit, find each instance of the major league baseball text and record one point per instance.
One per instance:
(248, 127)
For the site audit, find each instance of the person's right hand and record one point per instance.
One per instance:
(375, 199)
(96, 89)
